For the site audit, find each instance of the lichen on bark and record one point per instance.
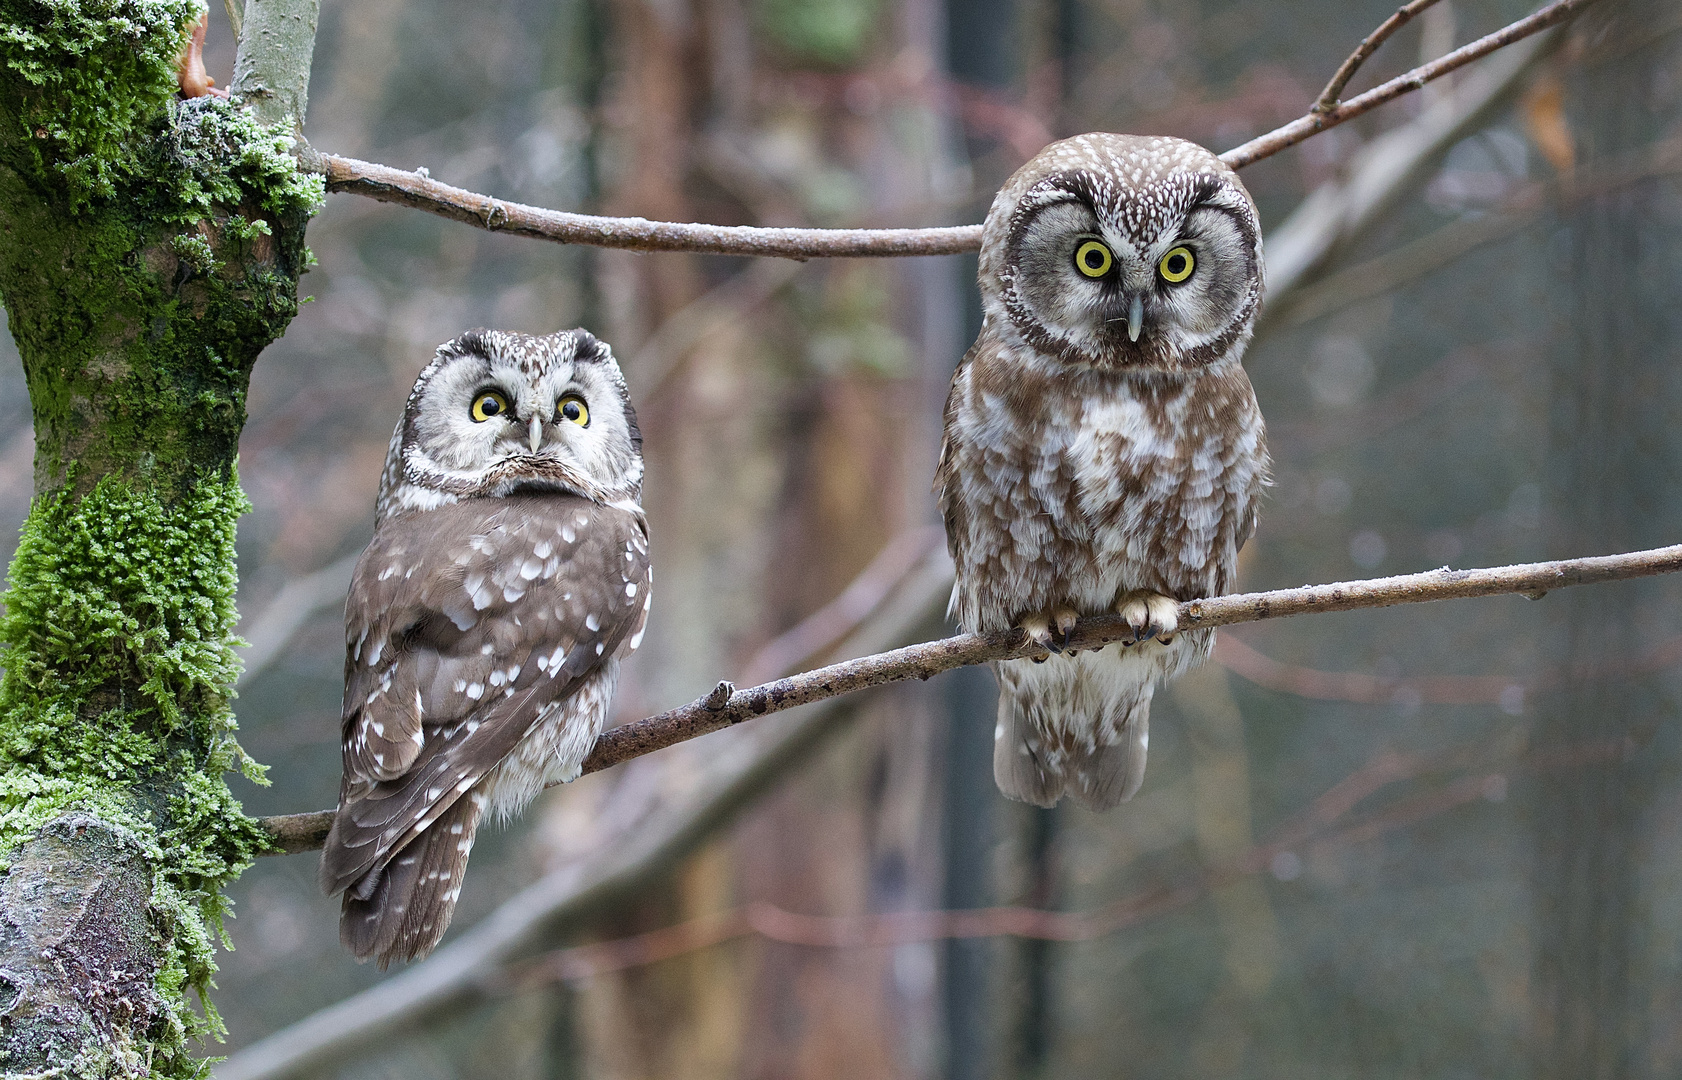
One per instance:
(149, 249)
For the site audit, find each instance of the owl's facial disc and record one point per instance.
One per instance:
(496, 413)
(1162, 279)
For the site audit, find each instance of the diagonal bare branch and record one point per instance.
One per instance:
(1369, 45)
(1315, 122)
(726, 706)
(419, 191)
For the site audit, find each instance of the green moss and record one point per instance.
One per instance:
(149, 249)
(178, 283)
(115, 700)
(79, 77)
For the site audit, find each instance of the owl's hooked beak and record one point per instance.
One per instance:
(1135, 317)
(536, 432)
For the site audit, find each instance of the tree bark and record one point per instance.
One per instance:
(149, 248)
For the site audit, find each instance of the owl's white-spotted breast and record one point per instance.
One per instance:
(1103, 447)
(507, 577)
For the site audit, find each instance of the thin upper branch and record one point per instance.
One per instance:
(1368, 46)
(1316, 121)
(420, 191)
(726, 706)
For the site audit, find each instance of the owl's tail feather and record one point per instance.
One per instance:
(1038, 756)
(400, 910)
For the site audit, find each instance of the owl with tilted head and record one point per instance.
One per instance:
(1103, 448)
(507, 577)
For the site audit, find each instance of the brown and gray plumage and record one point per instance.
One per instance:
(507, 577)
(1103, 448)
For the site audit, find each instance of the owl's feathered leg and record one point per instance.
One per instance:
(1077, 726)
(400, 910)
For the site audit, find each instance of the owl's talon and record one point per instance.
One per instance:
(1065, 619)
(1044, 628)
(1150, 615)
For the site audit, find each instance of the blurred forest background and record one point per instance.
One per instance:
(1439, 841)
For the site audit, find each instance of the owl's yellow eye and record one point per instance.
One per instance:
(488, 403)
(1177, 265)
(1093, 259)
(572, 408)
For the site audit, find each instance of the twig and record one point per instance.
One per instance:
(1384, 171)
(421, 192)
(1316, 122)
(933, 657)
(1368, 46)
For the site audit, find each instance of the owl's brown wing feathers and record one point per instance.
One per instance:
(464, 624)
(945, 475)
(410, 904)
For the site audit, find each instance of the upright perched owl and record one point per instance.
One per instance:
(507, 576)
(1103, 447)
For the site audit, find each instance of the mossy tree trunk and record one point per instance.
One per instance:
(149, 249)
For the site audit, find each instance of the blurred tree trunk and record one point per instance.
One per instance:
(1615, 466)
(777, 471)
(149, 249)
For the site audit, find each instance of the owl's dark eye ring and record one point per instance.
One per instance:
(1177, 265)
(486, 404)
(573, 410)
(1093, 259)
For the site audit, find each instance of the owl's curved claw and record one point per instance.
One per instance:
(1044, 629)
(1037, 629)
(1065, 619)
(1149, 615)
